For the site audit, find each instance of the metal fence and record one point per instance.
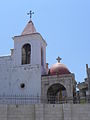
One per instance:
(19, 99)
(38, 99)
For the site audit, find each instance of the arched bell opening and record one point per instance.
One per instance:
(26, 54)
(42, 57)
(56, 93)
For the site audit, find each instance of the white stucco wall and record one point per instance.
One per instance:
(12, 73)
(6, 61)
(12, 77)
(36, 42)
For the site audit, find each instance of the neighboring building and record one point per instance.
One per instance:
(25, 72)
(84, 87)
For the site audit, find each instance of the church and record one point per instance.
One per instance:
(31, 90)
(26, 73)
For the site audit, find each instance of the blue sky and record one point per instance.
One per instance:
(64, 24)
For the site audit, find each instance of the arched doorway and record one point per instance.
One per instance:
(26, 54)
(56, 93)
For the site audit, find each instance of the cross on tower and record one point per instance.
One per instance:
(58, 59)
(30, 13)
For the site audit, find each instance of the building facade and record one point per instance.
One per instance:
(84, 87)
(26, 73)
(20, 73)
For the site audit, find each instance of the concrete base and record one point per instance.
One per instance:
(45, 112)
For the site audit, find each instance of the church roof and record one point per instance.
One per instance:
(29, 29)
(59, 68)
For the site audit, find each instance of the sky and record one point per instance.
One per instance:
(64, 24)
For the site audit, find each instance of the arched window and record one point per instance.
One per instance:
(42, 57)
(26, 54)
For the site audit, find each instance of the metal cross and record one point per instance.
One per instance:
(58, 59)
(30, 13)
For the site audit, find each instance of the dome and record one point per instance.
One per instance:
(59, 69)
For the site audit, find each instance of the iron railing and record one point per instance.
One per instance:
(38, 99)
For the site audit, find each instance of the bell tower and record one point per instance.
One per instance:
(30, 47)
(30, 58)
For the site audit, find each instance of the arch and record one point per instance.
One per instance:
(42, 57)
(26, 54)
(56, 93)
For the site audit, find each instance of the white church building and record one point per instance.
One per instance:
(26, 73)
(30, 90)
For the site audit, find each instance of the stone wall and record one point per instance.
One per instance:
(67, 80)
(45, 112)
